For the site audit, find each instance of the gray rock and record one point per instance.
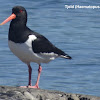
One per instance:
(16, 93)
(29, 96)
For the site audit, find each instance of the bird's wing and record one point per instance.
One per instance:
(43, 45)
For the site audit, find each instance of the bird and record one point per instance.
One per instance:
(30, 46)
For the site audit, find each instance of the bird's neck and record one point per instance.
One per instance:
(16, 31)
(17, 24)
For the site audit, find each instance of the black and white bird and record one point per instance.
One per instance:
(30, 46)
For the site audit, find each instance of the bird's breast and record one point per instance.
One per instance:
(23, 50)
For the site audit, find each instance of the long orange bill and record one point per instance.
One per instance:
(12, 16)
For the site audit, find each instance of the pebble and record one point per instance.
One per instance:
(75, 97)
(29, 96)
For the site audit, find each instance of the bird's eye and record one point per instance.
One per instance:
(21, 11)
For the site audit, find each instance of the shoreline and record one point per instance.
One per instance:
(16, 93)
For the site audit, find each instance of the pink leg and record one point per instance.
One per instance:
(30, 72)
(38, 78)
(37, 82)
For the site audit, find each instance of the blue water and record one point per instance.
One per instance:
(75, 31)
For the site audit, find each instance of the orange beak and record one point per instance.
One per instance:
(12, 16)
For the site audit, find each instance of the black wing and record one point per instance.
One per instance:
(43, 45)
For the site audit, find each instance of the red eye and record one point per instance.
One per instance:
(21, 11)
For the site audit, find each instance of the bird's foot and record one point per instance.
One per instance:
(29, 86)
(23, 86)
(36, 86)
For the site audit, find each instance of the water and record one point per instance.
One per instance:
(75, 31)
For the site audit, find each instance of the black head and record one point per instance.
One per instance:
(20, 12)
(19, 15)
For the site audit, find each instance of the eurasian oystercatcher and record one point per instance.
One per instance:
(30, 46)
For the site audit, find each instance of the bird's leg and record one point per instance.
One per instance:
(30, 72)
(38, 78)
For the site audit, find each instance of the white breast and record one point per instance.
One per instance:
(25, 53)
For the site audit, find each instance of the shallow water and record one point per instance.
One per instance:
(75, 31)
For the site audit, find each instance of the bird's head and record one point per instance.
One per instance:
(18, 13)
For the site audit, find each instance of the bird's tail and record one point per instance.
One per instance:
(62, 54)
(66, 56)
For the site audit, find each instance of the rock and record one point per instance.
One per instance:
(16, 93)
(29, 96)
